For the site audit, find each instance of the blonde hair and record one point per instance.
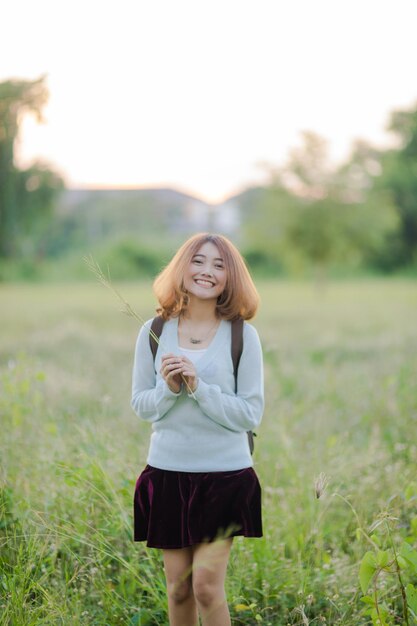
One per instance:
(239, 298)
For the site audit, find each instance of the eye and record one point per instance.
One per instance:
(198, 261)
(219, 267)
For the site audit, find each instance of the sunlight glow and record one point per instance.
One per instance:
(197, 95)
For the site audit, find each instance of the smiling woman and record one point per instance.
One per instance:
(239, 297)
(199, 488)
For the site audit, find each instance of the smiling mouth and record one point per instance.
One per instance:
(203, 283)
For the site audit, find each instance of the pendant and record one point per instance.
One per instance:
(192, 340)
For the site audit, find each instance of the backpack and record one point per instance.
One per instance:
(236, 348)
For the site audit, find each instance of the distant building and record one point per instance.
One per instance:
(226, 217)
(220, 218)
(197, 215)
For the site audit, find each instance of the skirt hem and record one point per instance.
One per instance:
(194, 543)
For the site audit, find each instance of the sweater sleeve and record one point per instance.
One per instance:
(151, 399)
(241, 411)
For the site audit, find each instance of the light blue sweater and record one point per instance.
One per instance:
(207, 432)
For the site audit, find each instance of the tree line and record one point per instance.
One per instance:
(311, 214)
(360, 214)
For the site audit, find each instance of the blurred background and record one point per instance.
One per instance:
(291, 128)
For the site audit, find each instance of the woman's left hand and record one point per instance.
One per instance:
(189, 373)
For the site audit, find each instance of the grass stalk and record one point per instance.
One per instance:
(126, 307)
(397, 571)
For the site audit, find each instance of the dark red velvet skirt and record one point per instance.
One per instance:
(180, 509)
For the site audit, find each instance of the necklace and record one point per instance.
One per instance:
(194, 340)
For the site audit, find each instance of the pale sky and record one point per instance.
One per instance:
(194, 95)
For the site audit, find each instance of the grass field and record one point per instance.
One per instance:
(341, 399)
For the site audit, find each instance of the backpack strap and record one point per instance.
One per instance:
(237, 347)
(156, 328)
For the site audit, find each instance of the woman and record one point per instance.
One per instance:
(199, 488)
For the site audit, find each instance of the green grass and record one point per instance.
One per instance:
(341, 398)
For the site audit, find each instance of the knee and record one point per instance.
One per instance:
(180, 592)
(206, 593)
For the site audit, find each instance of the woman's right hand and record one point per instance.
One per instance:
(171, 367)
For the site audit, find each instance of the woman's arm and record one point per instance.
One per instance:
(242, 411)
(151, 400)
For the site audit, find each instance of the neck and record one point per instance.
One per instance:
(201, 310)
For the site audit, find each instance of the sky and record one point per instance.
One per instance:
(205, 96)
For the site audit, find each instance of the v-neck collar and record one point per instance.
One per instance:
(219, 339)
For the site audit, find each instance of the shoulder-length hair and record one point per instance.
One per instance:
(239, 299)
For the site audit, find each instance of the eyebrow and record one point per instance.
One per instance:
(204, 256)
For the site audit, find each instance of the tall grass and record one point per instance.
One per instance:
(341, 403)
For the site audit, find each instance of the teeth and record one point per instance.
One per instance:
(204, 282)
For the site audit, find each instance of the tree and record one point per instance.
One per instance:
(308, 172)
(372, 222)
(314, 214)
(26, 196)
(399, 179)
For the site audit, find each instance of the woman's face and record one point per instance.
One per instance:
(205, 276)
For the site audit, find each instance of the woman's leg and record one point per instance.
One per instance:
(182, 607)
(209, 573)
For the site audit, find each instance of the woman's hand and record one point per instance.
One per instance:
(171, 368)
(189, 373)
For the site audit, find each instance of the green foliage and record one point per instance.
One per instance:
(409, 554)
(399, 179)
(264, 227)
(367, 570)
(36, 191)
(398, 560)
(314, 231)
(314, 217)
(263, 263)
(86, 219)
(126, 257)
(311, 219)
(411, 592)
(130, 259)
(27, 197)
(361, 214)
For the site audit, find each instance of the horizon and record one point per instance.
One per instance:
(162, 187)
(205, 99)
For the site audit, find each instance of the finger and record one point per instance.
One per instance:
(170, 357)
(168, 366)
(173, 373)
(174, 360)
(172, 369)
